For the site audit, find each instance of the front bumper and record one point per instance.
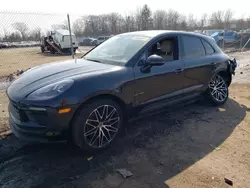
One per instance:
(38, 125)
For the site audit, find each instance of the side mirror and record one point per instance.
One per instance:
(155, 60)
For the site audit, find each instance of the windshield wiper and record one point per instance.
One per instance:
(93, 60)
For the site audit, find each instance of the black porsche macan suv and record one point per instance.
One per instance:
(88, 99)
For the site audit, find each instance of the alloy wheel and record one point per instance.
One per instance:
(101, 126)
(218, 88)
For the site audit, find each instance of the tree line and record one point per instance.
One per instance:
(141, 19)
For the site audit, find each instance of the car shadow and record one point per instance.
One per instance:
(153, 148)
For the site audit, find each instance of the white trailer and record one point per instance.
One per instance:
(61, 38)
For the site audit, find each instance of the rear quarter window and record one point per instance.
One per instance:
(193, 48)
(208, 48)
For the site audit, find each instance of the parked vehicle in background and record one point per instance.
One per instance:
(87, 41)
(219, 35)
(101, 39)
(94, 42)
(247, 30)
(58, 41)
(132, 74)
(3, 45)
(212, 31)
(229, 36)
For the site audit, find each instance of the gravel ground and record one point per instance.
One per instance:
(189, 146)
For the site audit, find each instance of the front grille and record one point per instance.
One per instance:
(18, 113)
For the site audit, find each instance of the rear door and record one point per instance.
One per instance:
(199, 63)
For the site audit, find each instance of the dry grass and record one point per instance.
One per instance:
(4, 115)
(15, 59)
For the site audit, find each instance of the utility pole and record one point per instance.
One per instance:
(72, 50)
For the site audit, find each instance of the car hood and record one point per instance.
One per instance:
(45, 74)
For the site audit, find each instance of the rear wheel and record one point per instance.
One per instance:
(97, 125)
(217, 91)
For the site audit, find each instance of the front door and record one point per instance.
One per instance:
(159, 82)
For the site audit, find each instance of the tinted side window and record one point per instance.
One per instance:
(209, 49)
(193, 47)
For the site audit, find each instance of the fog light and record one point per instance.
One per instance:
(49, 134)
(64, 110)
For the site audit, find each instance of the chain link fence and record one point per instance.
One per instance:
(21, 35)
(25, 43)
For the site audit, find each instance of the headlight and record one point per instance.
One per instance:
(51, 91)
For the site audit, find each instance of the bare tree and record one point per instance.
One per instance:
(203, 21)
(113, 20)
(192, 22)
(159, 19)
(63, 25)
(35, 34)
(143, 19)
(104, 28)
(183, 25)
(138, 19)
(173, 19)
(129, 22)
(22, 28)
(92, 25)
(228, 17)
(78, 26)
(146, 18)
(216, 19)
(248, 22)
(6, 34)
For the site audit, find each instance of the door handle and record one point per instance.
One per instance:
(177, 71)
(213, 64)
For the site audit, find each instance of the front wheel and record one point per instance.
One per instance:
(217, 91)
(97, 125)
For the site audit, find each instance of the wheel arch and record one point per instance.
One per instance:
(115, 98)
(226, 75)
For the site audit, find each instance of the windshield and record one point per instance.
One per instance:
(119, 49)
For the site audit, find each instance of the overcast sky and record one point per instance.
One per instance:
(197, 7)
(84, 7)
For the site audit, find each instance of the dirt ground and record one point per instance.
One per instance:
(190, 146)
(14, 59)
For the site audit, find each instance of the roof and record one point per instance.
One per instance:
(154, 33)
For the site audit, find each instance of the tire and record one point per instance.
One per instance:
(89, 128)
(217, 92)
(42, 49)
(52, 51)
